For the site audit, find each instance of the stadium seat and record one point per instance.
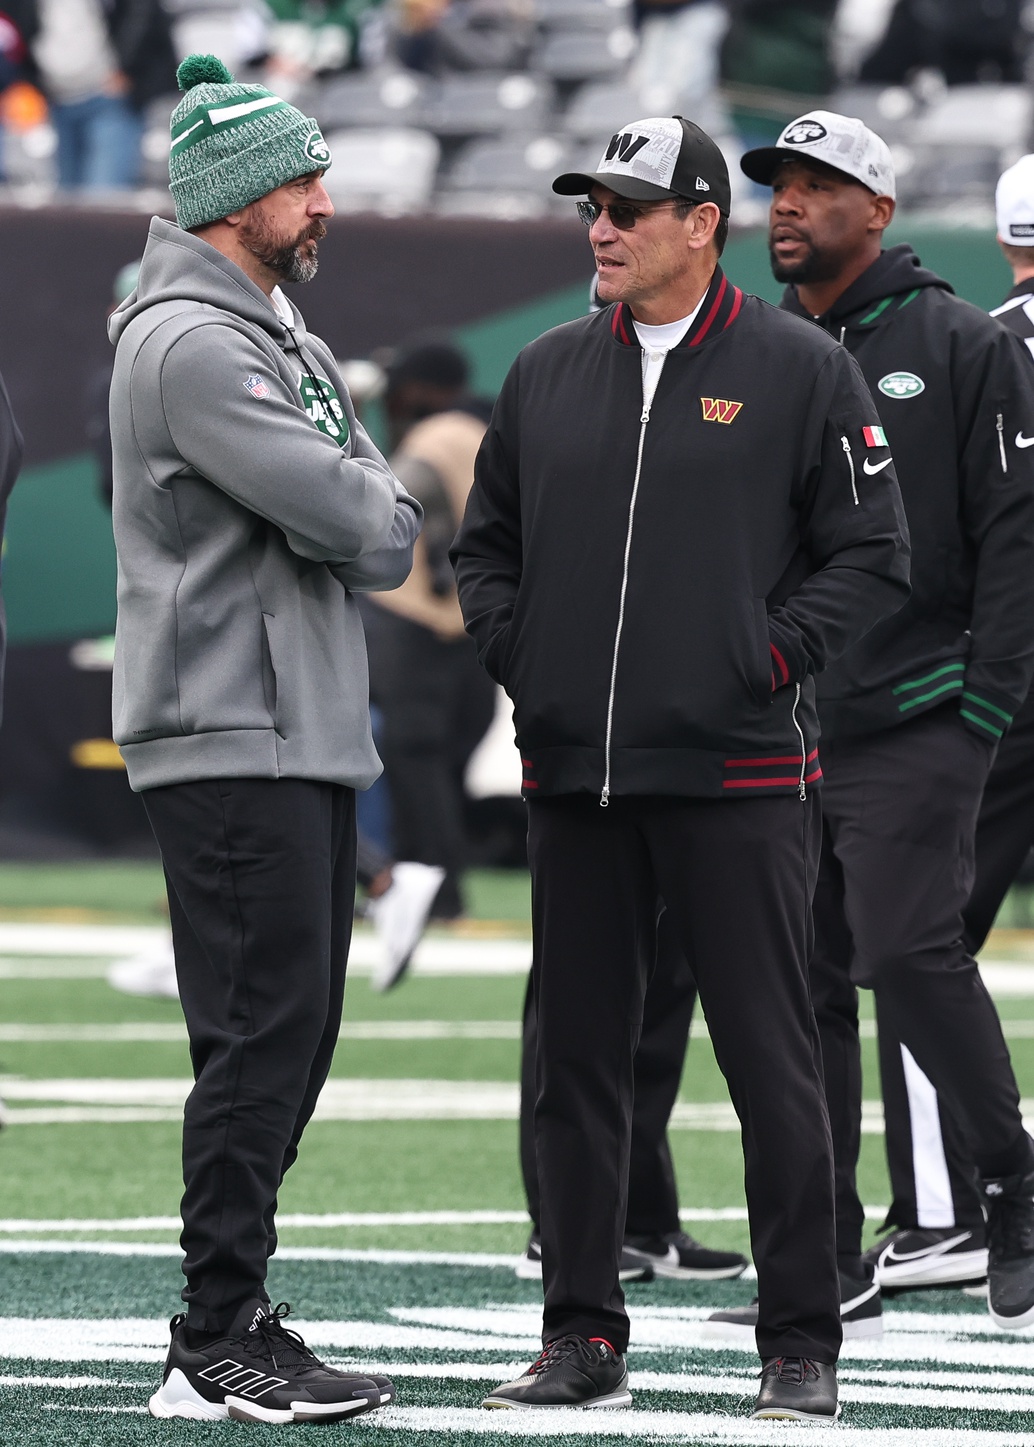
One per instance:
(978, 115)
(889, 110)
(391, 170)
(599, 108)
(389, 98)
(509, 163)
(582, 14)
(483, 105)
(507, 177)
(940, 176)
(577, 55)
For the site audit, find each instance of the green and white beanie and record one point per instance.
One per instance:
(233, 143)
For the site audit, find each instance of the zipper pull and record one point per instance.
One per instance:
(850, 463)
(646, 415)
(605, 797)
(1000, 428)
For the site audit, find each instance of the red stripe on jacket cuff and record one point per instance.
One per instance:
(780, 663)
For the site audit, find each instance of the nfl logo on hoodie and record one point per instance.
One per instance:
(257, 387)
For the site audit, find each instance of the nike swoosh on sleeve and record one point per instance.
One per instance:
(873, 468)
(1022, 441)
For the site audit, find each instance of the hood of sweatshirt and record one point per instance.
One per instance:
(178, 267)
(894, 280)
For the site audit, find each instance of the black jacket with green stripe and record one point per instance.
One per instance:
(657, 587)
(954, 395)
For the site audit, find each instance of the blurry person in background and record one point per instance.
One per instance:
(966, 40)
(436, 703)
(99, 63)
(676, 68)
(776, 61)
(314, 38)
(442, 35)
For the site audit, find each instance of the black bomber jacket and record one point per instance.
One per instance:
(657, 589)
(953, 390)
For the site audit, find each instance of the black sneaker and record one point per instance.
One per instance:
(529, 1266)
(799, 1390)
(1010, 1250)
(861, 1314)
(678, 1255)
(570, 1372)
(914, 1257)
(260, 1372)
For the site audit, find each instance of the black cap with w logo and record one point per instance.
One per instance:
(656, 158)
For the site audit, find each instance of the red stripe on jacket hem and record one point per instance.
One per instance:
(767, 763)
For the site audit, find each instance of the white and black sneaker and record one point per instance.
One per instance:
(677, 1255)
(260, 1372)
(861, 1314)
(399, 918)
(570, 1372)
(633, 1267)
(914, 1257)
(1010, 1250)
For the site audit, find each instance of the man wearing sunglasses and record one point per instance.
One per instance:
(670, 533)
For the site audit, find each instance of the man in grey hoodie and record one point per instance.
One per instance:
(248, 505)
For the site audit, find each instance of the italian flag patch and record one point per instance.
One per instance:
(874, 436)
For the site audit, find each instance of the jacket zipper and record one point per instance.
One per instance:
(605, 795)
(802, 791)
(850, 463)
(1000, 427)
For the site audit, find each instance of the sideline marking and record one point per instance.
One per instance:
(333, 1219)
(154, 1032)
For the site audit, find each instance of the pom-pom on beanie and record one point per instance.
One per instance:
(233, 143)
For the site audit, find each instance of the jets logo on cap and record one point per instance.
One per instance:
(804, 133)
(317, 149)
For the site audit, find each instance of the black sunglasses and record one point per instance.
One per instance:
(622, 214)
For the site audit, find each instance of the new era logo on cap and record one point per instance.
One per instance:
(655, 158)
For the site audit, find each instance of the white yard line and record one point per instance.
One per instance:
(175, 1033)
(62, 950)
(687, 1427)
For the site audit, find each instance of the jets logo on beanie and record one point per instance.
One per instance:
(233, 143)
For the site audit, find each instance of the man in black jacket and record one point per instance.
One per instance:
(660, 552)
(911, 716)
(935, 1222)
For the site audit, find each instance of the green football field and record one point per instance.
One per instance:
(400, 1221)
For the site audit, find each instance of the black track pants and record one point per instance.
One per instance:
(899, 816)
(261, 881)
(653, 1200)
(931, 1168)
(437, 703)
(737, 881)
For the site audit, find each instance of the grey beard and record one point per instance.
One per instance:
(290, 263)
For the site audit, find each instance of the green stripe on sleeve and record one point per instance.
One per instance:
(998, 733)
(983, 703)
(929, 678)
(949, 687)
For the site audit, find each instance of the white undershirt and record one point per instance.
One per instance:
(656, 343)
(282, 306)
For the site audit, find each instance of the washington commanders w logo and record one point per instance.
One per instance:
(717, 409)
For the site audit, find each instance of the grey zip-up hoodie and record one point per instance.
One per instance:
(248, 506)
